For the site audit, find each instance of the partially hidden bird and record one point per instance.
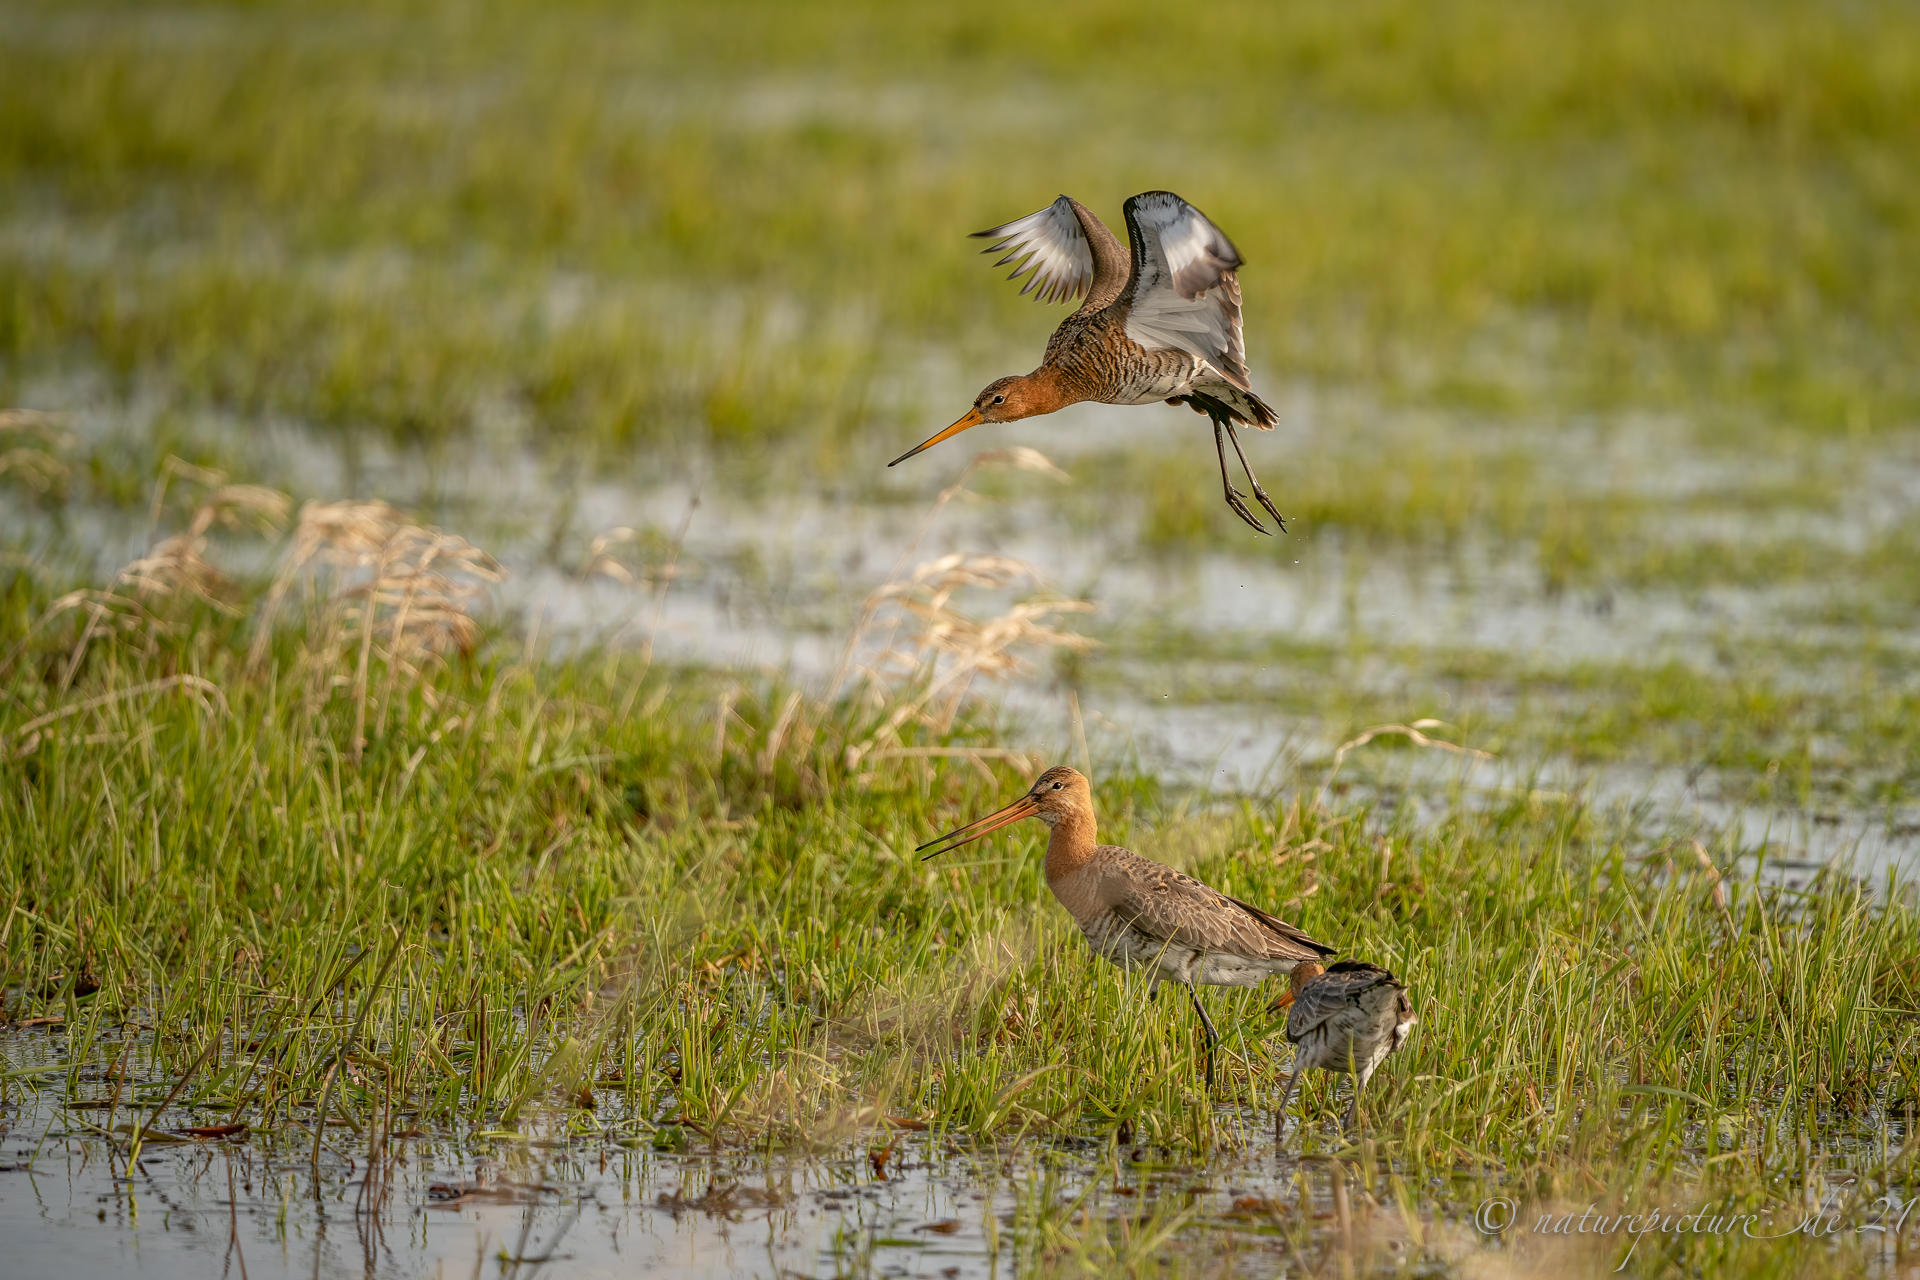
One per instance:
(1160, 323)
(1139, 914)
(1345, 1018)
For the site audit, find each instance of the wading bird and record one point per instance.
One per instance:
(1160, 324)
(1142, 915)
(1346, 1018)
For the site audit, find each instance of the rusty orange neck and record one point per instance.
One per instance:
(1303, 973)
(1045, 391)
(1072, 844)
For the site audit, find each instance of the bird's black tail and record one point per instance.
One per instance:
(1230, 404)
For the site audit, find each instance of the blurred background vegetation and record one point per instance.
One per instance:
(1603, 308)
(1591, 327)
(737, 223)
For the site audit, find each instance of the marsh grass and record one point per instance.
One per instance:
(378, 218)
(500, 902)
(1784, 721)
(732, 237)
(298, 833)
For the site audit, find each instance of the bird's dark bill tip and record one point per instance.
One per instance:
(972, 419)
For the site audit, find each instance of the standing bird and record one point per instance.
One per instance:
(1161, 324)
(1142, 915)
(1346, 1018)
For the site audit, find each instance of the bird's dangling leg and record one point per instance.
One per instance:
(1234, 496)
(1353, 1108)
(1206, 1023)
(1252, 479)
(1280, 1115)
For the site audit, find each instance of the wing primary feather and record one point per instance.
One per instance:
(1051, 244)
(1292, 933)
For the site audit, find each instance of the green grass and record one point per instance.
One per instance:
(379, 219)
(731, 237)
(561, 884)
(1615, 298)
(1786, 723)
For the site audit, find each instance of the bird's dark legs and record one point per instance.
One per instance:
(1234, 496)
(1252, 479)
(1280, 1116)
(1222, 419)
(1353, 1108)
(1213, 1037)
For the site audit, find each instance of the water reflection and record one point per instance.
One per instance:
(601, 1193)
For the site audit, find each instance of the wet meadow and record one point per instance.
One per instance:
(470, 689)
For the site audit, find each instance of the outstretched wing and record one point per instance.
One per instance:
(1050, 244)
(1185, 295)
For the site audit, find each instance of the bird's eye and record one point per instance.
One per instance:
(999, 399)
(1056, 786)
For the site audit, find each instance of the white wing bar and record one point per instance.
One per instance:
(1185, 295)
(1051, 245)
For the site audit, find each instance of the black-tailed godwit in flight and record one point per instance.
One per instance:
(1161, 323)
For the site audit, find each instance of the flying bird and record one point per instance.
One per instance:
(1161, 322)
(1140, 914)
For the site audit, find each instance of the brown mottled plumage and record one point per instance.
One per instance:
(1142, 915)
(1345, 1018)
(1159, 323)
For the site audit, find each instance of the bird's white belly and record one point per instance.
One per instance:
(1357, 1038)
(1336, 1052)
(1215, 970)
(1130, 949)
(1153, 390)
(1174, 376)
(1133, 950)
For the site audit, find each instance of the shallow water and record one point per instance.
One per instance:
(771, 581)
(604, 1193)
(590, 1194)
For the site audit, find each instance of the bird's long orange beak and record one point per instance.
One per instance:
(1025, 807)
(1284, 999)
(973, 419)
